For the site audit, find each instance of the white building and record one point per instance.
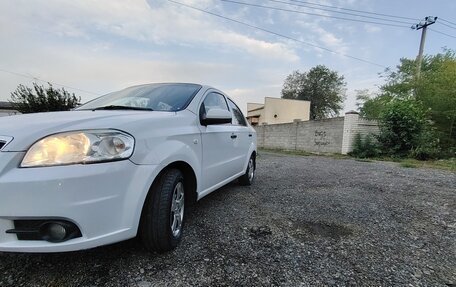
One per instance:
(278, 111)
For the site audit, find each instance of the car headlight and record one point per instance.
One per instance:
(87, 146)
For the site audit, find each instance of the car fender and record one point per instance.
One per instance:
(164, 154)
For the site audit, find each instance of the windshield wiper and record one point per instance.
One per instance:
(114, 107)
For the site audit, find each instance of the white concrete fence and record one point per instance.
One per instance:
(334, 135)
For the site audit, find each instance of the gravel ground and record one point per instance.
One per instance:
(306, 221)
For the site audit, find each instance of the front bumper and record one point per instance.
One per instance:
(104, 200)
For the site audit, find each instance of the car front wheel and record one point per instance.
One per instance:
(162, 220)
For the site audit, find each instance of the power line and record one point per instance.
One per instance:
(340, 12)
(442, 33)
(312, 14)
(354, 10)
(452, 27)
(449, 22)
(276, 34)
(41, 80)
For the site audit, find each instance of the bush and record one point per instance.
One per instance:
(427, 145)
(401, 125)
(365, 147)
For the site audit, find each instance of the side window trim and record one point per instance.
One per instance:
(244, 121)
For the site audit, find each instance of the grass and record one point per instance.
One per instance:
(363, 160)
(284, 151)
(443, 164)
(407, 164)
(303, 153)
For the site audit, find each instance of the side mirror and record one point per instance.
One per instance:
(216, 117)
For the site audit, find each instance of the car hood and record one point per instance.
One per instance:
(27, 129)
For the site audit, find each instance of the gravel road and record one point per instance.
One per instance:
(306, 221)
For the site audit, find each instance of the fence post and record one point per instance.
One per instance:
(350, 129)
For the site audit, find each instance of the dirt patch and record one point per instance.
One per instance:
(323, 229)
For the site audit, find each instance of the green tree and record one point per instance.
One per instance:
(41, 99)
(370, 105)
(324, 88)
(400, 83)
(436, 91)
(403, 82)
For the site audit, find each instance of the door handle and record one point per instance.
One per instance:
(250, 135)
(233, 136)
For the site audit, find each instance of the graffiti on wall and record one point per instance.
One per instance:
(320, 138)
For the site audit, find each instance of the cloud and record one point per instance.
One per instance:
(102, 46)
(101, 70)
(372, 28)
(106, 45)
(321, 36)
(136, 20)
(330, 40)
(259, 48)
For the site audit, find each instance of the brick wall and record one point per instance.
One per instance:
(324, 136)
(320, 136)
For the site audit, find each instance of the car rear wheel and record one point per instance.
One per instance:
(162, 219)
(249, 175)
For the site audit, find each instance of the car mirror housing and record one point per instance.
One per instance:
(216, 116)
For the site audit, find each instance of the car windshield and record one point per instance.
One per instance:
(156, 97)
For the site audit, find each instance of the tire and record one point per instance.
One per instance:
(249, 175)
(162, 219)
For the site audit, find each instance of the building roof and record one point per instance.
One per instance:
(256, 109)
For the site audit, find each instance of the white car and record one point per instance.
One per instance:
(125, 164)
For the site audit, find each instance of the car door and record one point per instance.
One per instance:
(243, 139)
(219, 153)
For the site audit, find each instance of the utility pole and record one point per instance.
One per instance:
(423, 26)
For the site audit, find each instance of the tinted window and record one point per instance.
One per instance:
(238, 118)
(158, 97)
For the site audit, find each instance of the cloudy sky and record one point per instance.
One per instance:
(95, 47)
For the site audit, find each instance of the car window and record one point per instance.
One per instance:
(213, 100)
(158, 97)
(238, 118)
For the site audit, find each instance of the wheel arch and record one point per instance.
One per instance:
(190, 182)
(254, 154)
